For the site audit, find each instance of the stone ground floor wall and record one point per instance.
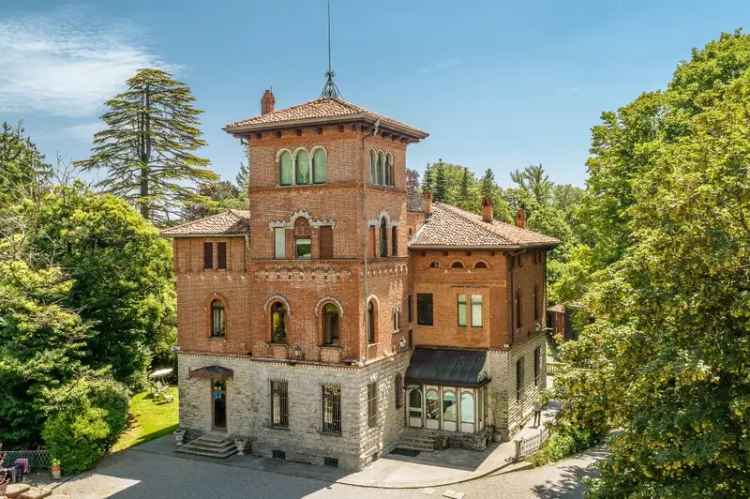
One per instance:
(508, 413)
(248, 403)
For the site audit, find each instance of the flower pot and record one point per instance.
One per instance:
(56, 471)
(240, 443)
(179, 436)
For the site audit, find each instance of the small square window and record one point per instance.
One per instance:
(331, 461)
(278, 454)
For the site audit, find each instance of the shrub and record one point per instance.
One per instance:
(86, 418)
(77, 438)
(564, 441)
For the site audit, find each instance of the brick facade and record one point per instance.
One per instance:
(257, 278)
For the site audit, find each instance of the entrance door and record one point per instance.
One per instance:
(219, 402)
(415, 407)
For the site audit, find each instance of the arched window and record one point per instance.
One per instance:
(432, 403)
(394, 241)
(457, 265)
(396, 318)
(302, 167)
(286, 169)
(383, 238)
(389, 170)
(330, 324)
(371, 322)
(278, 322)
(381, 169)
(449, 405)
(302, 239)
(373, 168)
(480, 265)
(434, 264)
(217, 319)
(319, 166)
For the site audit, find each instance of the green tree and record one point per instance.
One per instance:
(23, 171)
(148, 144)
(428, 182)
(441, 183)
(213, 198)
(243, 179)
(666, 360)
(122, 273)
(534, 181)
(42, 347)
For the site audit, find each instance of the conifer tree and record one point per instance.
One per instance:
(148, 144)
(441, 184)
(429, 179)
(464, 194)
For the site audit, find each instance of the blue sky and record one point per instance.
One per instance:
(497, 84)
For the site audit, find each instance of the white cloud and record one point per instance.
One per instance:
(63, 65)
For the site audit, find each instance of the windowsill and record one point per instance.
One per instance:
(278, 343)
(396, 331)
(277, 427)
(330, 433)
(217, 338)
(292, 186)
(336, 347)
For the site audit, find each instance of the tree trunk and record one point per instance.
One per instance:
(144, 152)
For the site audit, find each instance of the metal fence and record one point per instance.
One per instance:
(527, 446)
(38, 459)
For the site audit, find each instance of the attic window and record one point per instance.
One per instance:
(457, 265)
(435, 264)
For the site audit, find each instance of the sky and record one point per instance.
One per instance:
(497, 84)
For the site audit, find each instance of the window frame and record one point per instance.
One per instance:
(421, 319)
(461, 306)
(221, 255)
(398, 390)
(301, 242)
(279, 243)
(323, 250)
(291, 168)
(331, 405)
(208, 255)
(284, 322)
(477, 300)
(372, 320)
(330, 342)
(315, 165)
(372, 404)
(300, 156)
(280, 387)
(217, 305)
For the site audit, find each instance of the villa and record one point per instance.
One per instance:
(345, 314)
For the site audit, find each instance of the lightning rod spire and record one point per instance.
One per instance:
(329, 88)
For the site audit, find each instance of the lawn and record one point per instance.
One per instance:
(148, 420)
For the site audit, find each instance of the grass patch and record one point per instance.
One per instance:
(148, 420)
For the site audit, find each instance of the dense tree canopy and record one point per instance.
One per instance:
(667, 357)
(122, 276)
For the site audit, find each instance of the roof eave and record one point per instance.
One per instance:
(240, 130)
(484, 247)
(207, 234)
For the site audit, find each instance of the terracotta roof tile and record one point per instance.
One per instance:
(321, 110)
(230, 222)
(449, 226)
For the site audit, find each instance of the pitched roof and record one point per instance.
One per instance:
(227, 223)
(452, 227)
(320, 111)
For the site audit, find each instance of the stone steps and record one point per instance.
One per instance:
(416, 440)
(209, 445)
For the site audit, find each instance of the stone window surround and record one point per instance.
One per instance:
(269, 321)
(388, 162)
(319, 316)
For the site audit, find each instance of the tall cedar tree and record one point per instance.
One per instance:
(22, 167)
(441, 183)
(464, 195)
(148, 143)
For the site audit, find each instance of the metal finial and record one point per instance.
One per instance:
(329, 88)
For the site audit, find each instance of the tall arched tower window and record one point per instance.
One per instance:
(302, 167)
(331, 325)
(319, 166)
(381, 169)
(373, 168)
(286, 169)
(217, 319)
(278, 322)
(371, 323)
(383, 238)
(389, 170)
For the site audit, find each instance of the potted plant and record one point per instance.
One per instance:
(56, 470)
(240, 443)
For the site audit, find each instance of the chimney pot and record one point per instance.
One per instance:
(427, 202)
(487, 211)
(267, 102)
(521, 218)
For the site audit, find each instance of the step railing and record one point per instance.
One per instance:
(529, 445)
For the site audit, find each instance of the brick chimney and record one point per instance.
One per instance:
(267, 102)
(521, 218)
(487, 213)
(427, 202)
